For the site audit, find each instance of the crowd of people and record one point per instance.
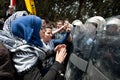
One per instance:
(34, 49)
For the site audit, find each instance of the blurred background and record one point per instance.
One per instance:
(71, 9)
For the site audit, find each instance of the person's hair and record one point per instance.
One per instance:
(66, 19)
(60, 21)
(52, 25)
(48, 27)
(46, 20)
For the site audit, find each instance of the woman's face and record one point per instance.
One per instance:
(48, 34)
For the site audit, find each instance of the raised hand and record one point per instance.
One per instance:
(61, 53)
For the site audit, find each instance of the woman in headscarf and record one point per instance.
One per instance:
(25, 47)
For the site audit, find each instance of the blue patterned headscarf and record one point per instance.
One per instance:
(27, 28)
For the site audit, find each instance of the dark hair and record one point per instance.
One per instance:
(60, 21)
(52, 24)
(46, 20)
(48, 27)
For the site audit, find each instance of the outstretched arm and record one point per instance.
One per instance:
(56, 31)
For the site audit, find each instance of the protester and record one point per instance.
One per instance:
(8, 21)
(49, 44)
(45, 22)
(60, 33)
(10, 11)
(25, 47)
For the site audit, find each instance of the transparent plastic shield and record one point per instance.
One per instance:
(78, 33)
(106, 53)
(78, 36)
(78, 60)
(83, 51)
(88, 41)
(73, 73)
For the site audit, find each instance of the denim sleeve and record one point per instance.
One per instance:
(63, 40)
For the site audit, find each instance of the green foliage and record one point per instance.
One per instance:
(3, 7)
(71, 9)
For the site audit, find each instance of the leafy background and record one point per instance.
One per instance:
(70, 9)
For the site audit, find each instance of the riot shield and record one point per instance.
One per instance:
(106, 54)
(80, 60)
(78, 33)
